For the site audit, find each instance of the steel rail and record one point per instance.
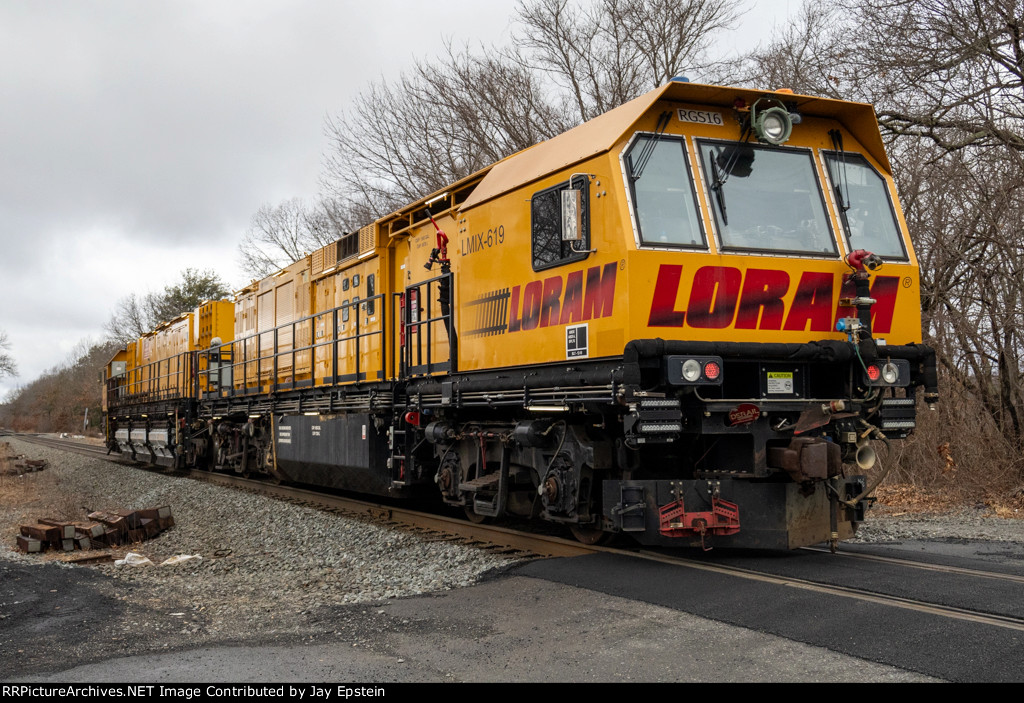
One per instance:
(1006, 621)
(942, 568)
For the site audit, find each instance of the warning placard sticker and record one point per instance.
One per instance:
(576, 342)
(780, 382)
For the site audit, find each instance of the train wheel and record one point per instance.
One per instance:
(590, 535)
(472, 516)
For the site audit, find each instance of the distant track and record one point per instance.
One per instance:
(67, 445)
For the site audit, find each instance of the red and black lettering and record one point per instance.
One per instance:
(549, 303)
(721, 296)
(763, 290)
(713, 296)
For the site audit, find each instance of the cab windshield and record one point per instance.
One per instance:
(663, 195)
(766, 199)
(864, 206)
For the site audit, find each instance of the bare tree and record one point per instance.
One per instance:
(951, 71)
(960, 63)
(440, 122)
(128, 321)
(56, 401)
(605, 53)
(570, 61)
(7, 365)
(947, 81)
(805, 56)
(336, 216)
(135, 315)
(283, 233)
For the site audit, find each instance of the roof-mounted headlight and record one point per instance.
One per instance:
(773, 124)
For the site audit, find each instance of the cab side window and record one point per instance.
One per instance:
(865, 208)
(546, 226)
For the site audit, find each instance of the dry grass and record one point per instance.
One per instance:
(6, 454)
(908, 498)
(957, 457)
(26, 498)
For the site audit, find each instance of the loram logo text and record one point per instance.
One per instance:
(719, 297)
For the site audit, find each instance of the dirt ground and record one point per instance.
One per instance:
(39, 494)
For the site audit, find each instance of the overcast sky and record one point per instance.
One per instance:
(138, 138)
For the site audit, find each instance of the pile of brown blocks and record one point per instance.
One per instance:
(104, 529)
(12, 464)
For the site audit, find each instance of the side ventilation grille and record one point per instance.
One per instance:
(367, 240)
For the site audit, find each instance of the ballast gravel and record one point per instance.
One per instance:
(270, 571)
(269, 568)
(968, 523)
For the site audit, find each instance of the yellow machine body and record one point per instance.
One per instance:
(681, 320)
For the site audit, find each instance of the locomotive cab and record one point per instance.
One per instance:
(736, 263)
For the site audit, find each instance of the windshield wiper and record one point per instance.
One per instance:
(717, 187)
(843, 183)
(738, 159)
(648, 150)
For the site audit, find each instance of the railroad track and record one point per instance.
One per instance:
(428, 525)
(493, 538)
(1006, 621)
(924, 566)
(517, 543)
(68, 445)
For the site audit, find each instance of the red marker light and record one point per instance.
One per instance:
(712, 370)
(874, 373)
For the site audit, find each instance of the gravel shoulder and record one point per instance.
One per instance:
(885, 525)
(271, 572)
